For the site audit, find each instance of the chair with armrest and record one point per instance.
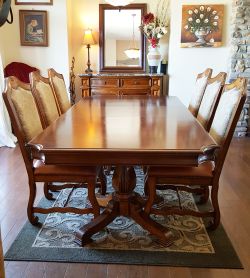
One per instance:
(211, 99)
(45, 99)
(200, 86)
(207, 174)
(58, 85)
(27, 124)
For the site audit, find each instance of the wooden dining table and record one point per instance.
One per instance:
(123, 132)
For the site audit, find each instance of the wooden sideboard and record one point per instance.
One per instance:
(121, 84)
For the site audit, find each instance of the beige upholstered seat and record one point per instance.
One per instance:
(210, 100)
(204, 176)
(45, 98)
(27, 124)
(200, 86)
(60, 91)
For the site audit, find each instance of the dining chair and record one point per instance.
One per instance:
(206, 175)
(49, 111)
(211, 99)
(45, 99)
(200, 86)
(27, 124)
(59, 88)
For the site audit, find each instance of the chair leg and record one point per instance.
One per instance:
(103, 181)
(204, 196)
(46, 191)
(146, 188)
(150, 191)
(215, 203)
(30, 209)
(92, 197)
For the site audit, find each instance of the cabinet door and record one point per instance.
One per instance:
(85, 81)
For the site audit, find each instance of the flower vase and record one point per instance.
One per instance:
(201, 35)
(154, 58)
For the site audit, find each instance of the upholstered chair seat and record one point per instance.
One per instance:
(61, 172)
(201, 175)
(60, 90)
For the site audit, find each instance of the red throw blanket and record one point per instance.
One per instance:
(19, 70)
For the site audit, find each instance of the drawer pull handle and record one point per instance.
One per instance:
(105, 82)
(136, 83)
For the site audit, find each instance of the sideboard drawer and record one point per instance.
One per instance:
(104, 82)
(104, 92)
(136, 82)
(135, 92)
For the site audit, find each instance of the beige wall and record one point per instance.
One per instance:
(185, 63)
(56, 55)
(66, 34)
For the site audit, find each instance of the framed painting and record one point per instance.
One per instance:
(202, 25)
(33, 28)
(34, 2)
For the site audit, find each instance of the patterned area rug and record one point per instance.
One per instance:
(124, 241)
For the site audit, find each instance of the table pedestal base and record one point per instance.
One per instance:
(125, 202)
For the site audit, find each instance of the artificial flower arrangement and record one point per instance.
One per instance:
(202, 18)
(154, 26)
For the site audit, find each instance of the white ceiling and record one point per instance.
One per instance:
(119, 24)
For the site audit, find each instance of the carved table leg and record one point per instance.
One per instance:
(83, 236)
(127, 203)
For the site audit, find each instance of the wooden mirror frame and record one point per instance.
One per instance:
(103, 68)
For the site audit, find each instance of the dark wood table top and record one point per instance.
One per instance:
(128, 130)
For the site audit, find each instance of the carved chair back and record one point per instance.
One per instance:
(226, 117)
(200, 86)
(59, 89)
(24, 116)
(210, 99)
(45, 98)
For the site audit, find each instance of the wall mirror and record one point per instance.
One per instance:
(122, 45)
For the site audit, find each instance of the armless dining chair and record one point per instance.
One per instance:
(200, 86)
(207, 174)
(49, 111)
(59, 88)
(45, 99)
(211, 99)
(27, 124)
